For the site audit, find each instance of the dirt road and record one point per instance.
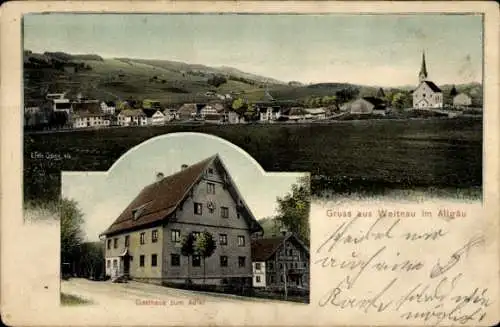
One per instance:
(140, 293)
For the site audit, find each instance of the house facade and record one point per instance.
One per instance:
(269, 114)
(144, 242)
(316, 113)
(427, 95)
(280, 261)
(108, 107)
(132, 117)
(462, 100)
(82, 120)
(234, 118)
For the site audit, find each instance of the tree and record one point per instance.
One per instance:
(205, 246)
(293, 209)
(71, 230)
(453, 91)
(188, 250)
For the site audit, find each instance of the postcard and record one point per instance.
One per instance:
(249, 163)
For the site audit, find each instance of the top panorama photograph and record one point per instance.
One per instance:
(369, 104)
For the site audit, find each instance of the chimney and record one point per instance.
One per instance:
(159, 176)
(183, 166)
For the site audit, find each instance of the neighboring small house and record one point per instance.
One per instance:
(269, 114)
(316, 113)
(170, 114)
(189, 111)
(234, 118)
(108, 107)
(62, 105)
(368, 105)
(213, 118)
(154, 116)
(89, 119)
(132, 117)
(280, 260)
(462, 100)
(295, 114)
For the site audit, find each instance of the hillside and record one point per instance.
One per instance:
(172, 82)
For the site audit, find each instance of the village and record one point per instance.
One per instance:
(59, 111)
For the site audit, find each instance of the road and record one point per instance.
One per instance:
(140, 293)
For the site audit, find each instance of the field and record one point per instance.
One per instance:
(371, 156)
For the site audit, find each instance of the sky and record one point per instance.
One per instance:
(102, 196)
(382, 50)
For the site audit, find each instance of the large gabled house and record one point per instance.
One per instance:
(280, 261)
(144, 242)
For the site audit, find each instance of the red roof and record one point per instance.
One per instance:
(264, 248)
(157, 201)
(155, 208)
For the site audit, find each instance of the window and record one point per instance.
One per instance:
(210, 188)
(127, 240)
(282, 279)
(108, 263)
(198, 208)
(241, 262)
(272, 278)
(141, 261)
(143, 238)
(238, 215)
(281, 266)
(257, 279)
(109, 244)
(153, 260)
(257, 266)
(176, 235)
(154, 236)
(305, 264)
(241, 240)
(222, 239)
(223, 260)
(196, 260)
(175, 260)
(115, 243)
(290, 252)
(271, 266)
(224, 212)
(115, 263)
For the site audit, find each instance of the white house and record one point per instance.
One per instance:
(108, 107)
(87, 119)
(158, 118)
(462, 100)
(427, 95)
(270, 114)
(132, 117)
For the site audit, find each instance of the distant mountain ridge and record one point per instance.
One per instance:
(173, 81)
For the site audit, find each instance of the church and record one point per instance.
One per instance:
(427, 95)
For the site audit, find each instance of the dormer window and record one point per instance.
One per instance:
(137, 212)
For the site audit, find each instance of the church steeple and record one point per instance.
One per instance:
(422, 76)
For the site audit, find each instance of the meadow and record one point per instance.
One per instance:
(367, 156)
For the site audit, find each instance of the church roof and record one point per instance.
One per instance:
(433, 86)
